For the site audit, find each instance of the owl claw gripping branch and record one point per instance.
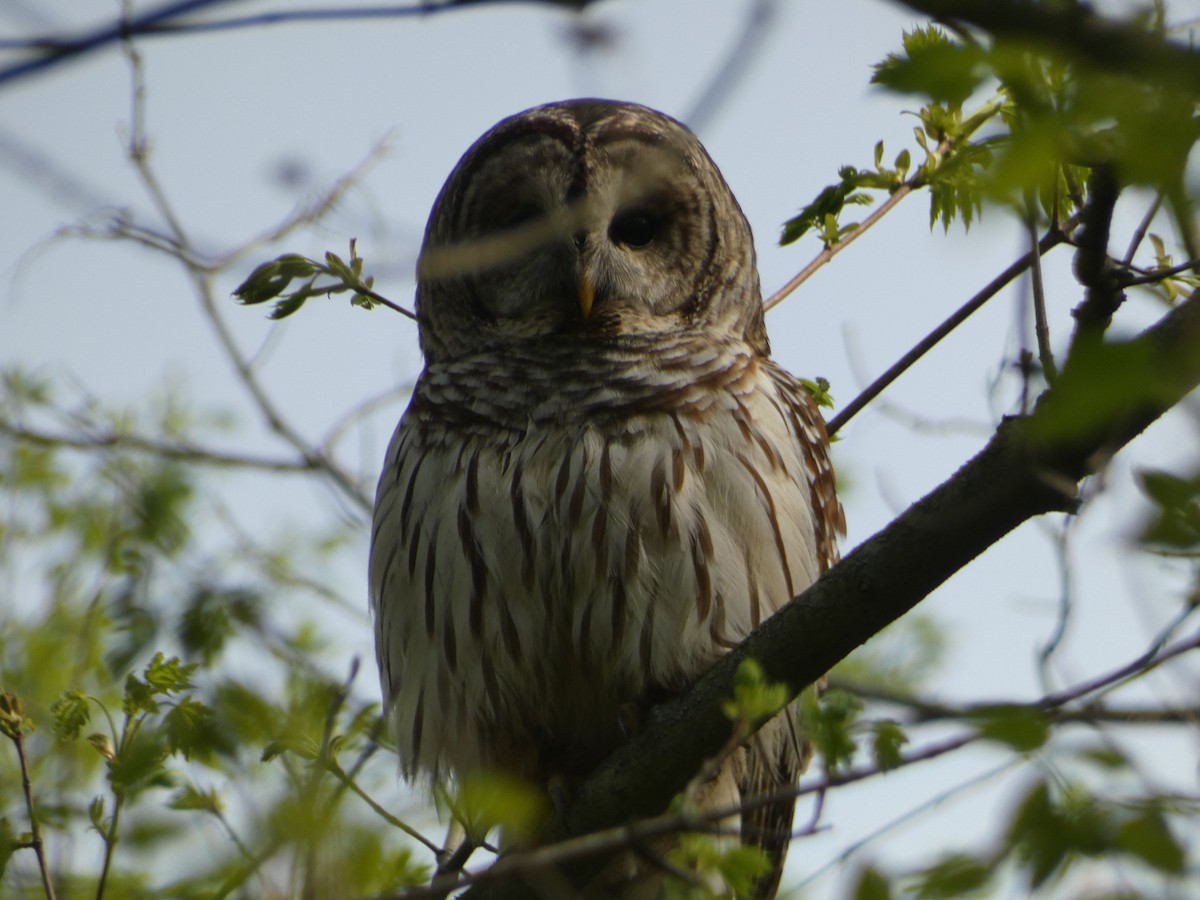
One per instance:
(603, 482)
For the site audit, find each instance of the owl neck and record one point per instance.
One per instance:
(557, 381)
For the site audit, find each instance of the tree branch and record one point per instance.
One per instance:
(52, 50)
(875, 388)
(1075, 29)
(1021, 473)
(166, 449)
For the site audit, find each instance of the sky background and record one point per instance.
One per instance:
(246, 124)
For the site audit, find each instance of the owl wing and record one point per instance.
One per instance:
(778, 754)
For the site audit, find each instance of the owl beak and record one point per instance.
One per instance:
(587, 295)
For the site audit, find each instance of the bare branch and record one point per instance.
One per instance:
(182, 451)
(1050, 240)
(1041, 324)
(202, 282)
(834, 249)
(52, 50)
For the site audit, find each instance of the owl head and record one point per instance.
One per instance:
(586, 221)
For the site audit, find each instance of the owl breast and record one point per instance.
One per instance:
(530, 581)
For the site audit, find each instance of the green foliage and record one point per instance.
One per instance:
(954, 875)
(271, 281)
(1052, 828)
(1171, 287)
(872, 885)
(888, 739)
(722, 868)
(827, 720)
(496, 800)
(132, 653)
(754, 698)
(819, 389)
(1175, 527)
(1099, 382)
(1048, 119)
(1023, 728)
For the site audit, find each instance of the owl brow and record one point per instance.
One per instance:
(503, 137)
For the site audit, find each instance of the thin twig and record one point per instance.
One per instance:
(755, 29)
(202, 282)
(55, 49)
(1156, 275)
(350, 784)
(1041, 323)
(907, 817)
(931, 710)
(174, 450)
(311, 212)
(834, 249)
(35, 828)
(361, 412)
(625, 836)
(1050, 240)
(1139, 233)
(1066, 600)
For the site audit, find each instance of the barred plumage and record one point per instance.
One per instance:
(602, 482)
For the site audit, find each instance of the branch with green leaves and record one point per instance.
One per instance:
(272, 281)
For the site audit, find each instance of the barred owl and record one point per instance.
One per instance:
(602, 482)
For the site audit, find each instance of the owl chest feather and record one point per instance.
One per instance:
(529, 581)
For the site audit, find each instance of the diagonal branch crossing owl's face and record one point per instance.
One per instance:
(587, 220)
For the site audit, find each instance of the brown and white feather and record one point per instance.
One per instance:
(578, 512)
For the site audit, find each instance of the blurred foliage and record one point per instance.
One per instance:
(1004, 121)
(169, 711)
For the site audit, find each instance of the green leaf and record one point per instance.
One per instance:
(1176, 526)
(1147, 837)
(1021, 727)
(290, 304)
(819, 389)
(827, 721)
(139, 697)
(139, 764)
(189, 797)
(169, 676)
(1099, 383)
(1104, 756)
(889, 738)
(741, 866)
(187, 727)
(71, 715)
(872, 885)
(824, 210)
(754, 698)
(495, 799)
(933, 66)
(96, 812)
(1038, 834)
(954, 875)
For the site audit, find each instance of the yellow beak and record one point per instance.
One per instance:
(587, 295)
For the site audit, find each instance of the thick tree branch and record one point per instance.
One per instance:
(1020, 474)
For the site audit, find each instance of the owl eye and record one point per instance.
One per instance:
(636, 228)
